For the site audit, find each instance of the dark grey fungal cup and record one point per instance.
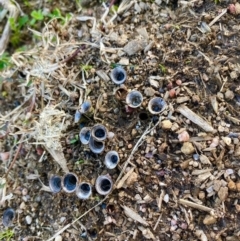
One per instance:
(95, 146)
(99, 132)
(111, 159)
(134, 99)
(84, 135)
(84, 190)
(8, 216)
(55, 184)
(69, 182)
(104, 184)
(118, 75)
(156, 105)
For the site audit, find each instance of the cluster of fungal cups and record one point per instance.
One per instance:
(70, 183)
(95, 137)
(134, 98)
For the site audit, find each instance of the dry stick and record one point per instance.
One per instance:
(70, 224)
(135, 148)
(217, 18)
(197, 206)
(75, 53)
(15, 157)
(159, 218)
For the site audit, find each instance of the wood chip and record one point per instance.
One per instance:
(133, 215)
(185, 111)
(214, 103)
(195, 205)
(124, 178)
(102, 74)
(198, 172)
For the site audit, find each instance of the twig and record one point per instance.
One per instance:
(159, 218)
(15, 157)
(197, 206)
(217, 18)
(75, 53)
(70, 224)
(161, 199)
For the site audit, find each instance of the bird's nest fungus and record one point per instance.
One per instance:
(178, 172)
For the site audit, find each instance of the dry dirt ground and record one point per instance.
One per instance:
(178, 177)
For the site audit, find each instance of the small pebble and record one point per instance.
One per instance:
(229, 95)
(4, 156)
(183, 136)
(28, 219)
(227, 140)
(110, 135)
(221, 128)
(166, 124)
(223, 193)
(58, 238)
(149, 91)
(178, 82)
(129, 146)
(187, 148)
(24, 191)
(195, 164)
(208, 220)
(132, 179)
(172, 93)
(232, 185)
(201, 195)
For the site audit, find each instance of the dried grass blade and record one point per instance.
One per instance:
(133, 215)
(125, 177)
(185, 111)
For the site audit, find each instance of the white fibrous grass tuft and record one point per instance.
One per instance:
(49, 131)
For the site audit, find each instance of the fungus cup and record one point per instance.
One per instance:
(69, 182)
(8, 216)
(77, 116)
(121, 92)
(156, 105)
(99, 132)
(84, 190)
(111, 159)
(55, 184)
(96, 146)
(104, 184)
(85, 107)
(134, 99)
(118, 75)
(84, 135)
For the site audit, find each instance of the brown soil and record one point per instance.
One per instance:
(178, 176)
